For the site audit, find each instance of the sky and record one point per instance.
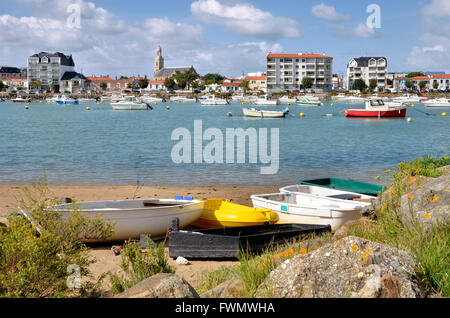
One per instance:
(230, 37)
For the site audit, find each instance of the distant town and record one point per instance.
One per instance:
(285, 72)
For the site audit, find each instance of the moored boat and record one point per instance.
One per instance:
(378, 108)
(253, 112)
(286, 99)
(438, 102)
(219, 213)
(309, 101)
(130, 103)
(213, 101)
(265, 101)
(345, 185)
(20, 100)
(64, 100)
(295, 209)
(132, 218)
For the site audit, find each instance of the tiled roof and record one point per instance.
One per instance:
(65, 59)
(72, 75)
(440, 76)
(8, 69)
(255, 78)
(364, 61)
(297, 55)
(167, 71)
(99, 79)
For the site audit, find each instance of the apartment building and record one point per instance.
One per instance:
(286, 71)
(367, 69)
(49, 69)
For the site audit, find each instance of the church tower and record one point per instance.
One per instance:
(159, 60)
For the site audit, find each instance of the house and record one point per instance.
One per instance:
(257, 82)
(442, 80)
(73, 83)
(16, 83)
(287, 71)
(232, 85)
(367, 69)
(156, 85)
(8, 72)
(48, 69)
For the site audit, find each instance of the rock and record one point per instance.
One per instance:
(233, 288)
(349, 267)
(161, 286)
(182, 261)
(428, 202)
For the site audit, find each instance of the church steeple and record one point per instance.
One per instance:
(159, 60)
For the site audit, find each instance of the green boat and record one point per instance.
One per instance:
(345, 185)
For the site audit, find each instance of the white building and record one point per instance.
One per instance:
(367, 69)
(49, 69)
(442, 80)
(286, 71)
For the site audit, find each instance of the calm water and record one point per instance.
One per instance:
(71, 145)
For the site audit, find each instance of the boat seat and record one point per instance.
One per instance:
(345, 196)
(189, 198)
(178, 197)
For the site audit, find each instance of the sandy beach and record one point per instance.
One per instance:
(106, 261)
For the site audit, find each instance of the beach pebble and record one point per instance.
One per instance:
(182, 261)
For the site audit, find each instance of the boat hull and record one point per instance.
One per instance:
(375, 113)
(133, 219)
(66, 102)
(263, 114)
(290, 211)
(345, 185)
(219, 213)
(129, 107)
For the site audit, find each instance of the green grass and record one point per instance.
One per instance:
(431, 246)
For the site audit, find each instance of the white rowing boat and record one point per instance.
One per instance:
(135, 217)
(309, 210)
(252, 112)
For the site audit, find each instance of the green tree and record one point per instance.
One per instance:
(409, 84)
(414, 74)
(435, 85)
(129, 85)
(389, 82)
(213, 78)
(194, 85)
(169, 83)
(360, 85)
(245, 85)
(36, 84)
(2, 86)
(143, 83)
(186, 78)
(307, 82)
(372, 84)
(103, 85)
(422, 85)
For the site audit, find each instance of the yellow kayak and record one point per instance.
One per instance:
(222, 213)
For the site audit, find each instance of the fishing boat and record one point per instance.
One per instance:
(287, 100)
(264, 100)
(309, 210)
(132, 218)
(309, 101)
(64, 100)
(20, 100)
(345, 185)
(213, 101)
(438, 102)
(222, 213)
(317, 194)
(130, 103)
(253, 112)
(378, 108)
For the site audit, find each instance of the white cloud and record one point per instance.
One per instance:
(437, 8)
(328, 13)
(363, 31)
(246, 20)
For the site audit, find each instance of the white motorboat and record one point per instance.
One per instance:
(152, 99)
(264, 100)
(238, 98)
(287, 100)
(87, 100)
(348, 99)
(252, 112)
(64, 100)
(130, 103)
(297, 209)
(322, 194)
(183, 99)
(135, 217)
(407, 98)
(52, 100)
(309, 101)
(20, 100)
(438, 102)
(213, 101)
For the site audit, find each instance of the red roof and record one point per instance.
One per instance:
(440, 76)
(297, 55)
(232, 84)
(250, 78)
(98, 79)
(420, 78)
(154, 81)
(14, 80)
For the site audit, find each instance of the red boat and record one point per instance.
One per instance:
(378, 108)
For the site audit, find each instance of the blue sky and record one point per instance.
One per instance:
(227, 36)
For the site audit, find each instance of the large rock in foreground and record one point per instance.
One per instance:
(350, 267)
(161, 286)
